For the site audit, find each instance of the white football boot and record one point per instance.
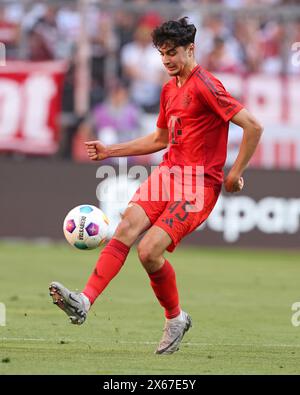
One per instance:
(75, 305)
(174, 331)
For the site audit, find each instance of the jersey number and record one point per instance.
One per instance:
(184, 215)
(175, 128)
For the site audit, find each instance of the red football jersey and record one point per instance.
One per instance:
(197, 116)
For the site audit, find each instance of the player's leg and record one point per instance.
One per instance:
(162, 275)
(176, 221)
(112, 258)
(163, 282)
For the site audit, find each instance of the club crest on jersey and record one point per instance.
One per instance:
(186, 100)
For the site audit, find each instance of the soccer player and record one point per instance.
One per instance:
(195, 110)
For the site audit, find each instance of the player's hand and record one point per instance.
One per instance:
(234, 183)
(96, 150)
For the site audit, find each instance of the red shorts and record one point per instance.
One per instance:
(173, 215)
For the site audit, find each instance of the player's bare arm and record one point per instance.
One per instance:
(251, 136)
(153, 142)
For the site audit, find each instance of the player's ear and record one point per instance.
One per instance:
(191, 49)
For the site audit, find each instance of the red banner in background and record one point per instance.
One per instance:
(275, 101)
(30, 105)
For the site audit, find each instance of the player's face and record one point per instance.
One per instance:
(175, 59)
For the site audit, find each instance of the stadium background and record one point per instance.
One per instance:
(83, 70)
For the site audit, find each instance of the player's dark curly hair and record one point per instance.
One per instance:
(178, 33)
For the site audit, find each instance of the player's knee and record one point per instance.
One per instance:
(144, 255)
(126, 231)
(146, 252)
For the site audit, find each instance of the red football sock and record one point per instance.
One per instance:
(108, 266)
(163, 282)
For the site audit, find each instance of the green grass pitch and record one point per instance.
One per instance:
(240, 302)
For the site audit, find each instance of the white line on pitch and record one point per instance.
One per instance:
(152, 342)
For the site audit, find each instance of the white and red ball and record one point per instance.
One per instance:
(85, 227)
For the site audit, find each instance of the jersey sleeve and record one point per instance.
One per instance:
(213, 93)
(162, 119)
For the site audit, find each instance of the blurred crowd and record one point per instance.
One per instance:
(120, 46)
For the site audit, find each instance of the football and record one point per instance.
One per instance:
(85, 227)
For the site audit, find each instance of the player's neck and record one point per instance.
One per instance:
(180, 79)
